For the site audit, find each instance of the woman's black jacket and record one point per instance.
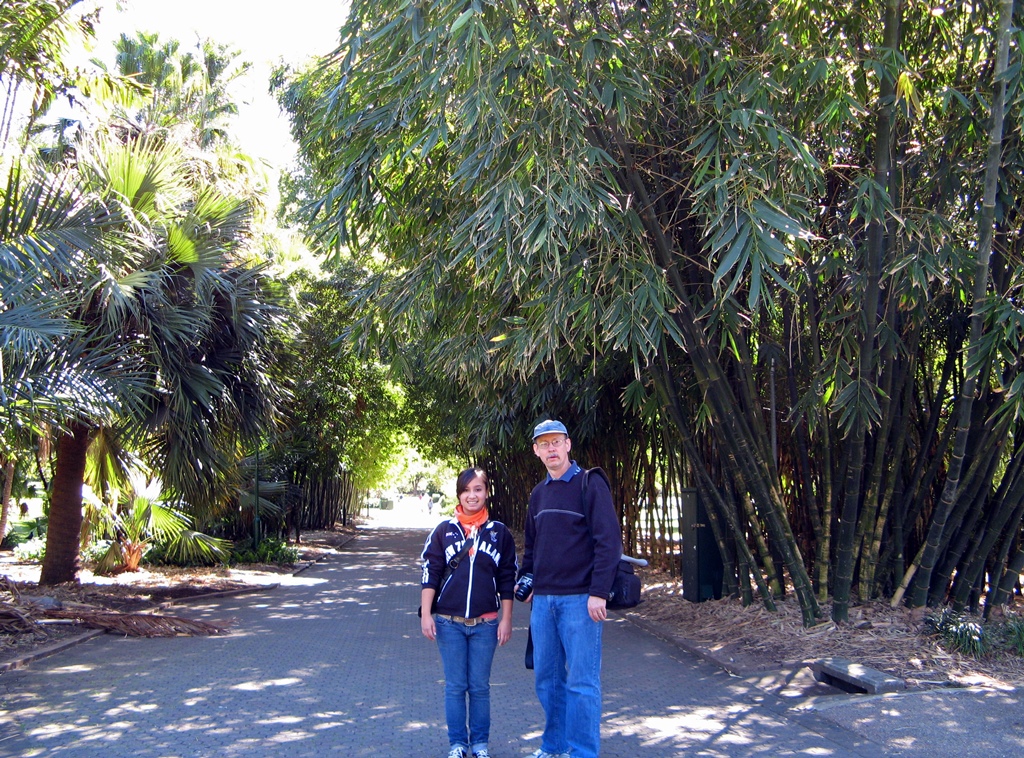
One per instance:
(483, 578)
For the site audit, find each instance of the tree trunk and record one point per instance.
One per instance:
(965, 405)
(5, 499)
(877, 241)
(1004, 510)
(1009, 579)
(61, 563)
(707, 489)
(873, 548)
(825, 499)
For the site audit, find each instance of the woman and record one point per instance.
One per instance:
(469, 565)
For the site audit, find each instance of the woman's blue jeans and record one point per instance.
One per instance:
(567, 671)
(467, 652)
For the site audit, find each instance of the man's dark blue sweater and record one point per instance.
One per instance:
(573, 543)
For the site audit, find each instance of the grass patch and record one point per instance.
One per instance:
(969, 635)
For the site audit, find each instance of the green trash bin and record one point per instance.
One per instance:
(702, 568)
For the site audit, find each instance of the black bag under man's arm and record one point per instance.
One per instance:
(625, 589)
(625, 592)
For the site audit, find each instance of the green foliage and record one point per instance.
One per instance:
(969, 636)
(346, 412)
(135, 301)
(269, 550)
(50, 226)
(1014, 630)
(160, 259)
(34, 38)
(181, 86)
(412, 473)
(31, 550)
(144, 520)
(961, 633)
(20, 532)
(93, 553)
(189, 548)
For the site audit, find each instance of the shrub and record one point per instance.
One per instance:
(961, 633)
(1014, 629)
(95, 551)
(34, 550)
(269, 550)
(31, 550)
(23, 531)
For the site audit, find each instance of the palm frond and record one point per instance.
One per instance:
(196, 547)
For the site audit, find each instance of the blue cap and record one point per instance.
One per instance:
(549, 427)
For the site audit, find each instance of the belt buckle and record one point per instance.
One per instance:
(471, 622)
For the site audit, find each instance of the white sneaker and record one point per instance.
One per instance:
(545, 754)
(457, 752)
(481, 753)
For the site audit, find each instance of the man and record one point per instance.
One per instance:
(573, 546)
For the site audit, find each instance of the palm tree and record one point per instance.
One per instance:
(145, 519)
(33, 35)
(171, 324)
(48, 227)
(179, 86)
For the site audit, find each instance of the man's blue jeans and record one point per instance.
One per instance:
(467, 652)
(567, 671)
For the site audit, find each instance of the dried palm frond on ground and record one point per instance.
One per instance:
(132, 598)
(16, 620)
(894, 640)
(136, 624)
(24, 614)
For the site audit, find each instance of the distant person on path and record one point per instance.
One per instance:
(573, 546)
(466, 622)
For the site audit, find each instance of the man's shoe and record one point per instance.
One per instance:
(481, 753)
(457, 752)
(545, 754)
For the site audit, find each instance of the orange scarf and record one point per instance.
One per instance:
(471, 523)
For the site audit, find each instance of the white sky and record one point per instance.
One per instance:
(265, 31)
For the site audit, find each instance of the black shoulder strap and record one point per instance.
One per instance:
(449, 568)
(583, 489)
(467, 543)
(586, 478)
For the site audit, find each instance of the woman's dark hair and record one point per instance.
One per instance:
(462, 483)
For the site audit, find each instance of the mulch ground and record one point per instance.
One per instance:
(752, 639)
(147, 591)
(743, 639)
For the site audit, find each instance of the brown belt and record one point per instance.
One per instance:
(461, 620)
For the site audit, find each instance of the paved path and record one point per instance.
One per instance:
(333, 663)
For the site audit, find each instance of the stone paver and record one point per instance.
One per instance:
(332, 663)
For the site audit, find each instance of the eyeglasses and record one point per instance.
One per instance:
(551, 444)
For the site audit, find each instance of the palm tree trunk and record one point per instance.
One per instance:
(5, 499)
(61, 563)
